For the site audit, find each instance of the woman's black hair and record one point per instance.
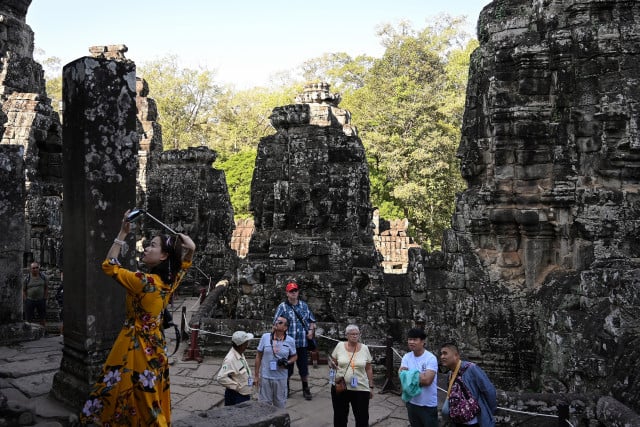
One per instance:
(169, 268)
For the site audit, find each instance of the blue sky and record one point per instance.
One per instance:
(244, 41)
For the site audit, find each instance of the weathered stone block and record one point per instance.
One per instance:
(246, 414)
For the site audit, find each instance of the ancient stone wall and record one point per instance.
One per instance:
(538, 277)
(12, 195)
(150, 134)
(392, 242)
(242, 236)
(389, 237)
(27, 120)
(185, 192)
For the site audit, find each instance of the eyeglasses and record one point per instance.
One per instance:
(354, 334)
(280, 322)
(292, 291)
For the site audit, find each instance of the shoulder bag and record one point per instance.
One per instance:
(341, 383)
(463, 407)
(167, 322)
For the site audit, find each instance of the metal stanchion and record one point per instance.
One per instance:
(193, 352)
(563, 414)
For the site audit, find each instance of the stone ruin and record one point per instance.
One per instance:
(538, 276)
(30, 140)
(310, 202)
(393, 243)
(390, 239)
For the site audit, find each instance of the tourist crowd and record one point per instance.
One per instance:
(471, 397)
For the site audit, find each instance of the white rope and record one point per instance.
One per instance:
(328, 338)
(194, 305)
(533, 414)
(527, 413)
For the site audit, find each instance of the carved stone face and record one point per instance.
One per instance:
(617, 140)
(15, 36)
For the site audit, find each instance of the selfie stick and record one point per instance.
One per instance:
(135, 213)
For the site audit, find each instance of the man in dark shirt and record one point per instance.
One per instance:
(35, 293)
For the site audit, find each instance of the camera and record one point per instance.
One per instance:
(283, 363)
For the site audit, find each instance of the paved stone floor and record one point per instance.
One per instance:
(27, 370)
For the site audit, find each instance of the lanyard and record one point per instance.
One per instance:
(452, 378)
(275, 349)
(245, 364)
(352, 362)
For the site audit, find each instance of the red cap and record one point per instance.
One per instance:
(292, 286)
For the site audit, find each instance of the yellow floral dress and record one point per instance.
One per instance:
(133, 388)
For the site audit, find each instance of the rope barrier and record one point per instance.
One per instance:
(194, 305)
(535, 414)
(222, 282)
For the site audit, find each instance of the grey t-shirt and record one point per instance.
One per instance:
(35, 287)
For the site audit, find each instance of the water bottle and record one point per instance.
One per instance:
(332, 376)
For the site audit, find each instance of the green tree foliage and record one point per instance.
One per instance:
(186, 99)
(242, 117)
(409, 113)
(407, 105)
(53, 75)
(344, 73)
(54, 91)
(238, 169)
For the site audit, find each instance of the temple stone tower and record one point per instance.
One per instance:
(538, 276)
(29, 127)
(313, 218)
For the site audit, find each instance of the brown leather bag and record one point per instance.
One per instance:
(341, 385)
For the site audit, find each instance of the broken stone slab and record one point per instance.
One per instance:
(617, 413)
(246, 414)
(35, 385)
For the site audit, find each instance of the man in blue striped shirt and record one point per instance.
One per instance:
(302, 326)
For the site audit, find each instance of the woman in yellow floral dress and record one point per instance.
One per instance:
(133, 388)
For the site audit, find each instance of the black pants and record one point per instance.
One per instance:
(232, 397)
(302, 362)
(33, 305)
(359, 401)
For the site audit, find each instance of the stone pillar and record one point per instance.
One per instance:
(99, 151)
(12, 196)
